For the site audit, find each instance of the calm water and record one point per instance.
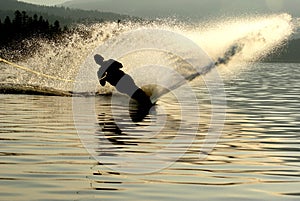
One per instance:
(256, 158)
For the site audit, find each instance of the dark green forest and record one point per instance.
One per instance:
(16, 33)
(22, 23)
(22, 26)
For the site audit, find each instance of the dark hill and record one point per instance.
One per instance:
(62, 14)
(193, 9)
(287, 53)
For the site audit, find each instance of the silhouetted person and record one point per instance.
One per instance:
(110, 71)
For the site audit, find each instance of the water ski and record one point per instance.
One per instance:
(138, 110)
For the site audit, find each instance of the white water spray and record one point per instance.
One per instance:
(259, 36)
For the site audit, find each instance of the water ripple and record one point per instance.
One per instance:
(257, 157)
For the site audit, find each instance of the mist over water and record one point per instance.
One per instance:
(257, 35)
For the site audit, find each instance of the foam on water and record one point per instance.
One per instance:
(259, 36)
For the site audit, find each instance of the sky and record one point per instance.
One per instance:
(45, 2)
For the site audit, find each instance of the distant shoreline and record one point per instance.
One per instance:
(289, 53)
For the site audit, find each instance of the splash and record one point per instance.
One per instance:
(249, 38)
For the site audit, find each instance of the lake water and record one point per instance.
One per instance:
(256, 158)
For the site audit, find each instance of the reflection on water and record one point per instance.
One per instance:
(256, 158)
(141, 147)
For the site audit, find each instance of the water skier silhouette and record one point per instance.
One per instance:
(110, 71)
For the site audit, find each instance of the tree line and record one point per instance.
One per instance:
(23, 26)
(15, 34)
